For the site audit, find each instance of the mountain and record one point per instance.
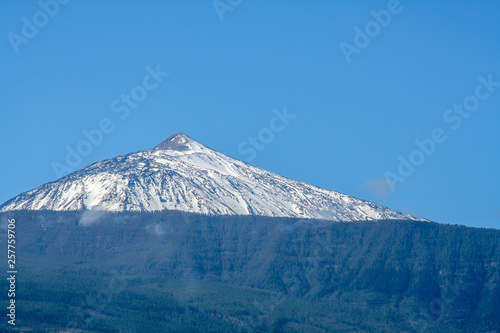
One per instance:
(185, 175)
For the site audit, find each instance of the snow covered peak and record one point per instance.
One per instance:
(180, 142)
(183, 174)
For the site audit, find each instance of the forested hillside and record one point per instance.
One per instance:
(172, 271)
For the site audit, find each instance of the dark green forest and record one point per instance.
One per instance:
(181, 272)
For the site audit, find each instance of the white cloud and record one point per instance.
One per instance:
(380, 187)
(90, 217)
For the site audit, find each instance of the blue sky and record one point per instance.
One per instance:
(356, 101)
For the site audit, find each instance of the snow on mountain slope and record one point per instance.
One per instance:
(182, 174)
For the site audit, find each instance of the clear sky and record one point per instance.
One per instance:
(355, 83)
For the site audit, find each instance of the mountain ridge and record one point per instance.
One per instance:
(183, 174)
